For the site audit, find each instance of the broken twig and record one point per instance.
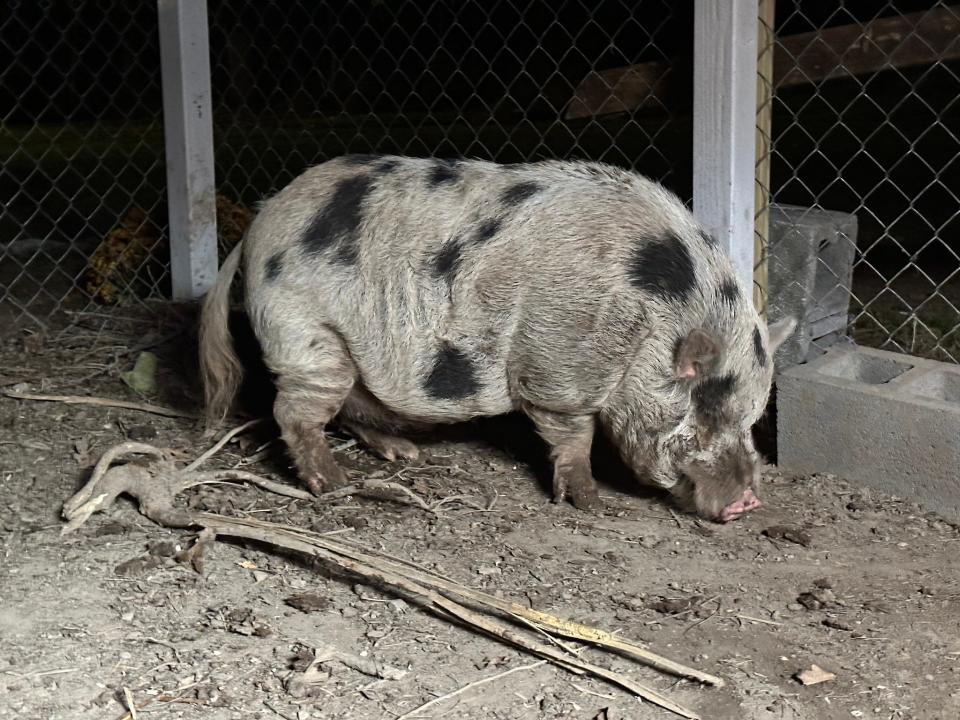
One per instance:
(468, 686)
(103, 402)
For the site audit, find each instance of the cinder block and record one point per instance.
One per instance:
(880, 419)
(810, 271)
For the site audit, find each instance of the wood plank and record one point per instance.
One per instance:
(724, 126)
(188, 135)
(850, 50)
(843, 51)
(619, 90)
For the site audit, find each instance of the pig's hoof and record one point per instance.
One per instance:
(313, 485)
(389, 447)
(318, 484)
(587, 500)
(394, 448)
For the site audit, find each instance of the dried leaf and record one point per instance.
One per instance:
(143, 377)
(814, 675)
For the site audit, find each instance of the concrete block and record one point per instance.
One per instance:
(880, 419)
(810, 272)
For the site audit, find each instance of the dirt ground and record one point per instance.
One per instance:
(865, 586)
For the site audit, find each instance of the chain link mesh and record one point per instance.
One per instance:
(81, 140)
(82, 185)
(866, 120)
(298, 83)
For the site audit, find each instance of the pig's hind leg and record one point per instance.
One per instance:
(570, 438)
(314, 377)
(375, 426)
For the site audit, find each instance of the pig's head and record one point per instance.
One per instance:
(708, 460)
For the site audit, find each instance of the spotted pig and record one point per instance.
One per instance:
(396, 293)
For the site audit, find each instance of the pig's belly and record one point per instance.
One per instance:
(428, 376)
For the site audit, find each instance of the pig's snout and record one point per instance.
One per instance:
(747, 501)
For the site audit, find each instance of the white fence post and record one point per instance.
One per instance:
(188, 134)
(724, 125)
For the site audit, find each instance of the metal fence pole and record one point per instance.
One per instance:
(188, 132)
(724, 125)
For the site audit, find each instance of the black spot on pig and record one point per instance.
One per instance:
(444, 172)
(759, 350)
(336, 223)
(273, 267)
(487, 229)
(453, 376)
(447, 261)
(709, 239)
(663, 267)
(516, 194)
(729, 292)
(710, 398)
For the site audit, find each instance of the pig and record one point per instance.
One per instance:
(392, 294)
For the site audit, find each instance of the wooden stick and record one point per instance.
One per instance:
(567, 628)
(219, 444)
(293, 540)
(225, 476)
(103, 402)
(131, 705)
(469, 686)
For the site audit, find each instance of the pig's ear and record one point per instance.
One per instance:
(780, 331)
(695, 355)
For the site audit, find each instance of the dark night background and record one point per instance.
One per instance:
(297, 82)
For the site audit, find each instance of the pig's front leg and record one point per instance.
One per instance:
(569, 438)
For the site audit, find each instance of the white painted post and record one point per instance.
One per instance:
(724, 125)
(188, 134)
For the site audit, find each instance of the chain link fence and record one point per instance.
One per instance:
(860, 120)
(298, 83)
(864, 105)
(82, 182)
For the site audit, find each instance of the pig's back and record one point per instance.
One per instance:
(463, 288)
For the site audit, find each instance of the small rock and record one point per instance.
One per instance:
(308, 602)
(164, 548)
(142, 432)
(349, 612)
(137, 565)
(111, 528)
(837, 624)
(790, 533)
(817, 599)
(672, 606)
